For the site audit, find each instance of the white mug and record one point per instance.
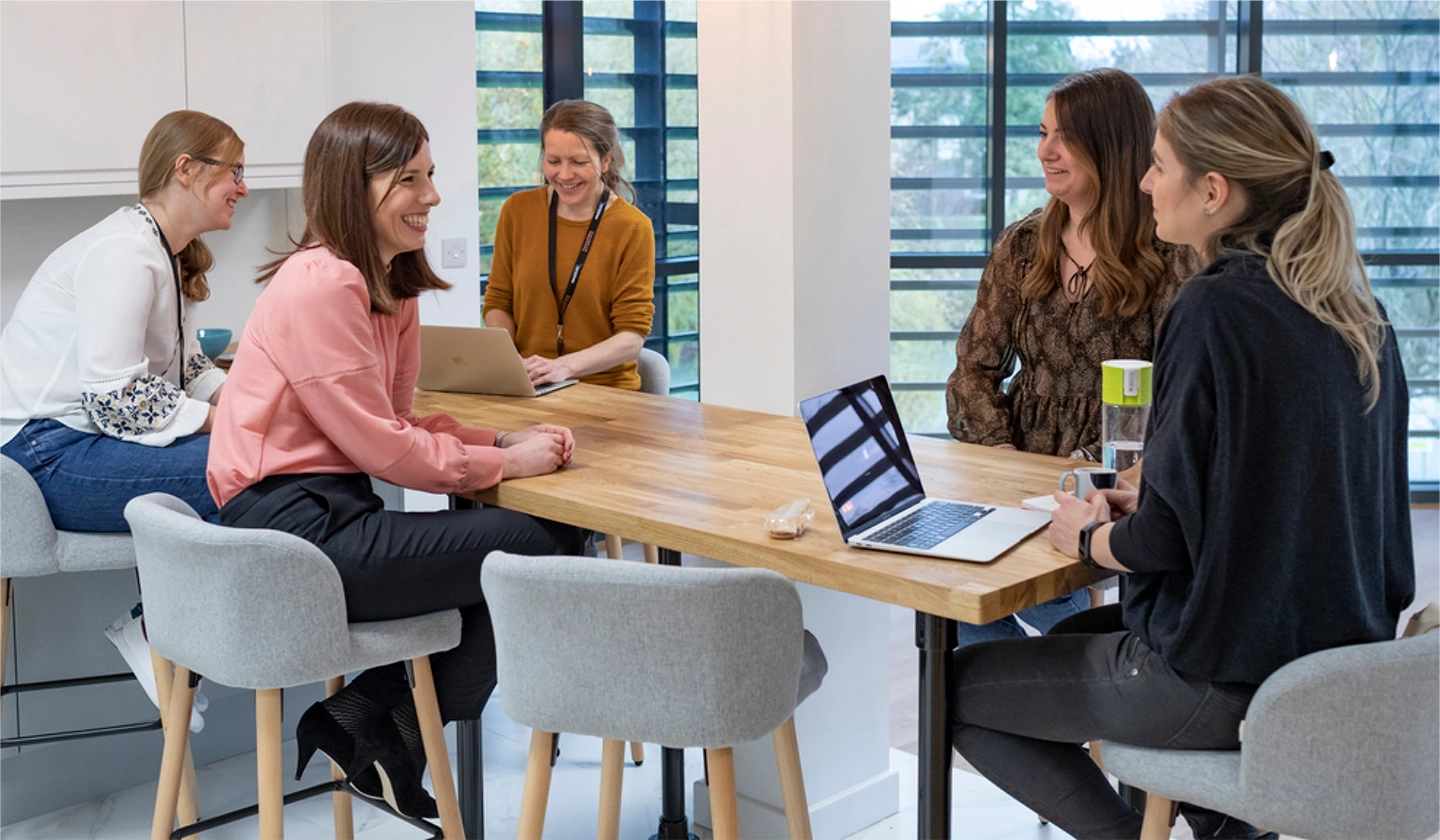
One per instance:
(1090, 478)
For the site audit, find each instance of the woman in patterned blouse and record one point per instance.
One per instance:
(104, 393)
(1079, 281)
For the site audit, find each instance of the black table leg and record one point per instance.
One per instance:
(674, 824)
(470, 777)
(935, 637)
(470, 766)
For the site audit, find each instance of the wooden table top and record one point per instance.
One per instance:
(702, 479)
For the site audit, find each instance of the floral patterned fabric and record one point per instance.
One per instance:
(145, 404)
(1053, 404)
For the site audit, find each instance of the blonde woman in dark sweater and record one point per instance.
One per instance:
(1275, 352)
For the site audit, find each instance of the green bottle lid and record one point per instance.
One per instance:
(1126, 381)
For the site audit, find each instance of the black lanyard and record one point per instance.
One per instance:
(579, 263)
(179, 315)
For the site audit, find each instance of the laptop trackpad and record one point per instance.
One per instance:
(993, 534)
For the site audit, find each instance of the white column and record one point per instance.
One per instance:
(794, 300)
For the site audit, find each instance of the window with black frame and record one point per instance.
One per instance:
(968, 81)
(638, 60)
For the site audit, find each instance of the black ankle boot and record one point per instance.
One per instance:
(381, 742)
(332, 726)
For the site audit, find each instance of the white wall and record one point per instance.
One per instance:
(794, 300)
(794, 210)
(421, 56)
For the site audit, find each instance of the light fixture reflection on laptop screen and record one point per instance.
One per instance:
(865, 464)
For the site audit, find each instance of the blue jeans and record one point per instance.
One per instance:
(87, 479)
(1041, 616)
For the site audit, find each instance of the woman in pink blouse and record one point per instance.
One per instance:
(319, 401)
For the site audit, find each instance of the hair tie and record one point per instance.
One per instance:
(1327, 160)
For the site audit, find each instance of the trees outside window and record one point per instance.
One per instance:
(968, 82)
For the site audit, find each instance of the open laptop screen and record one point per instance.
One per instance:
(864, 459)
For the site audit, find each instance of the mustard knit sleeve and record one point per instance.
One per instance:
(633, 308)
(499, 292)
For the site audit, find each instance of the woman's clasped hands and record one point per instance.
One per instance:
(1099, 506)
(537, 450)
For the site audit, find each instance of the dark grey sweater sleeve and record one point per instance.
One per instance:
(1164, 533)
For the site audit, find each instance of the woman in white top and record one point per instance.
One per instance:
(104, 393)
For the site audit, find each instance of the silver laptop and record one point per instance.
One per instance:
(875, 489)
(476, 360)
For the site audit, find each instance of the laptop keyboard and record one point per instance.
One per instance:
(928, 526)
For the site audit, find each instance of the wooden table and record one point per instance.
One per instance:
(701, 479)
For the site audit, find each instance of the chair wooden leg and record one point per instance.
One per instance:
(721, 764)
(344, 812)
(612, 765)
(172, 764)
(1157, 823)
(614, 550)
(188, 808)
(537, 786)
(792, 780)
(267, 759)
(1095, 755)
(432, 734)
(652, 554)
(1097, 597)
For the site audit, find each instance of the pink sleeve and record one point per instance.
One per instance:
(407, 371)
(338, 379)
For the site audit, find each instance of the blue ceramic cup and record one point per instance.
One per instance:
(213, 341)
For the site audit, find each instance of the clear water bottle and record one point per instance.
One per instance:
(1126, 394)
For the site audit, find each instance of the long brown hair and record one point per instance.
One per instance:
(350, 148)
(1296, 217)
(197, 135)
(593, 124)
(1107, 123)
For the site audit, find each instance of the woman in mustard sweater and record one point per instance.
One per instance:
(575, 312)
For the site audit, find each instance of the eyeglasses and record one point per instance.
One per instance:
(237, 168)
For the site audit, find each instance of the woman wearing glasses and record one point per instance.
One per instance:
(104, 393)
(573, 278)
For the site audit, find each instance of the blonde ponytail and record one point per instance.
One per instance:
(1297, 216)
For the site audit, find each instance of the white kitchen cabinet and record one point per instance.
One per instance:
(261, 68)
(82, 83)
(80, 86)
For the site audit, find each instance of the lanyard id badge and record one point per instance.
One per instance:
(564, 302)
(179, 297)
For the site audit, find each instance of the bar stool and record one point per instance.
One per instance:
(31, 546)
(682, 657)
(265, 610)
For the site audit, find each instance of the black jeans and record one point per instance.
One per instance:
(397, 565)
(1019, 710)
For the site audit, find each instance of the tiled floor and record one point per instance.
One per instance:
(981, 811)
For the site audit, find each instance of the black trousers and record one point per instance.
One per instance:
(396, 565)
(1019, 710)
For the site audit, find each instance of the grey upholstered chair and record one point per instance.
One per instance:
(265, 610)
(31, 546)
(1340, 743)
(683, 657)
(654, 371)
